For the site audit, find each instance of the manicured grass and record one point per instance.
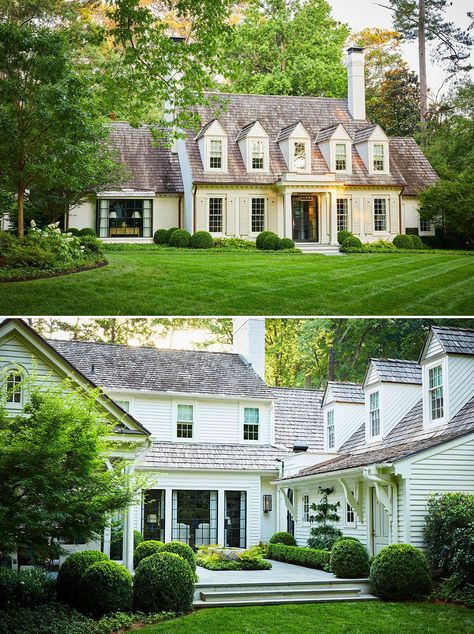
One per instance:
(324, 618)
(162, 282)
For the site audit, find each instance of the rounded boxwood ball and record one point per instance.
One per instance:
(349, 559)
(262, 237)
(352, 241)
(170, 233)
(287, 243)
(87, 231)
(416, 241)
(183, 550)
(272, 243)
(70, 574)
(403, 241)
(160, 236)
(283, 538)
(74, 232)
(180, 238)
(400, 571)
(106, 586)
(342, 235)
(145, 549)
(163, 582)
(202, 240)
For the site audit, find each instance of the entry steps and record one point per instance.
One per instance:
(318, 249)
(272, 593)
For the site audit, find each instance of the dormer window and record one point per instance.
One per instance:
(341, 157)
(258, 154)
(299, 155)
(215, 154)
(330, 430)
(379, 158)
(374, 414)
(436, 398)
(212, 144)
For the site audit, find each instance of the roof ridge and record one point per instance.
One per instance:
(130, 347)
(458, 328)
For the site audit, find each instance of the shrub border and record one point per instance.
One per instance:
(47, 274)
(300, 556)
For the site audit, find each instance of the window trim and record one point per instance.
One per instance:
(429, 231)
(307, 151)
(371, 436)
(329, 423)
(265, 150)
(265, 213)
(347, 212)
(224, 214)
(348, 147)
(207, 164)
(9, 369)
(387, 214)
(194, 405)
(243, 407)
(305, 514)
(347, 506)
(376, 157)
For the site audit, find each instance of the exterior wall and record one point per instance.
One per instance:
(348, 417)
(411, 215)
(84, 215)
(460, 382)
(268, 524)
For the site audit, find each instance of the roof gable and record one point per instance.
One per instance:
(371, 133)
(343, 392)
(254, 129)
(295, 130)
(213, 128)
(337, 132)
(447, 340)
(393, 371)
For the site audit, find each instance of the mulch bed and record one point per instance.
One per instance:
(47, 274)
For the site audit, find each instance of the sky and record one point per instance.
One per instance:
(359, 14)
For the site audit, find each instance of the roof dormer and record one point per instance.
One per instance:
(392, 387)
(295, 145)
(335, 144)
(212, 143)
(373, 147)
(343, 411)
(447, 362)
(255, 148)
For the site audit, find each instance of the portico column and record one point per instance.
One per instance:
(221, 517)
(287, 216)
(323, 215)
(127, 542)
(333, 219)
(168, 514)
(107, 539)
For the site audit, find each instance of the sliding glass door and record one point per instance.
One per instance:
(153, 522)
(195, 517)
(235, 525)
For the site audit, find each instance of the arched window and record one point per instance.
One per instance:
(14, 386)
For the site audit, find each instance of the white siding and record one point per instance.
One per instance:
(348, 417)
(411, 215)
(268, 520)
(372, 376)
(434, 348)
(165, 212)
(84, 215)
(396, 401)
(460, 382)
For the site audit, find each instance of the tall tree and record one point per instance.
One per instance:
(397, 106)
(286, 47)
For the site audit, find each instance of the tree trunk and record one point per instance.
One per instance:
(332, 364)
(422, 62)
(21, 215)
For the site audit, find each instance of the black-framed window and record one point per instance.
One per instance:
(124, 218)
(258, 215)
(194, 517)
(153, 517)
(235, 522)
(216, 207)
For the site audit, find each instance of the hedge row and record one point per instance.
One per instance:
(308, 557)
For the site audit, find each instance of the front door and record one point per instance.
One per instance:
(305, 218)
(235, 519)
(380, 524)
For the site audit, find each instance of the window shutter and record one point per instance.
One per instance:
(354, 216)
(272, 215)
(394, 216)
(201, 215)
(368, 216)
(230, 217)
(244, 216)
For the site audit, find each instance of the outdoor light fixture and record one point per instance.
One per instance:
(267, 503)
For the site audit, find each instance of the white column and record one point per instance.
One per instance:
(333, 219)
(168, 514)
(323, 216)
(127, 545)
(220, 517)
(107, 539)
(287, 216)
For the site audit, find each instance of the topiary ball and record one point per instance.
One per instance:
(349, 559)
(70, 574)
(283, 538)
(180, 238)
(74, 232)
(403, 241)
(416, 241)
(87, 231)
(163, 582)
(106, 586)
(170, 233)
(202, 240)
(400, 571)
(272, 243)
(351, 241)
(183, 550)
(160, 236)
(145, 549)
(262, 237)
(287, 243)
(342, 235)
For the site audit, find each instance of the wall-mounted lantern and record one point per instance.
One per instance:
(267, 503)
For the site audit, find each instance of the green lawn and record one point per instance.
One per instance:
(161, 282)
(324, 618)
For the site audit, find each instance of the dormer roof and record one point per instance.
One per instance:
(254, 128)
(366, 134)
(214, 123)
(326, 134)
(345, 392)
(288, 131)
(451, 340)
(395, 371)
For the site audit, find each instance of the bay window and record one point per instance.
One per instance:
(124, 218)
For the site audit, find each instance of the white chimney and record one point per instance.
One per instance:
(355, 63)
(248, 338)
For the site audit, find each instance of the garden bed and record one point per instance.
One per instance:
(28, 274)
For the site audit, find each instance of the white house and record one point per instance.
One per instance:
(302, 167)
(230, 460)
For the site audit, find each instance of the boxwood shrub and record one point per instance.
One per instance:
(145, 549)
(170, 233)
(183, 550)
(416, 241)
(287, 243)
(272, 243)
(163, 582)
(308, 557)
(351, 241)
(87, 231)
(201, 240)
(106, 587)
(160, 236)
(400, 571)
(74, 232)
(283, 538)
(349, 559)
(46, 619)
(70, 574)
(403, 241)
(343, 235)
(262, 237)
(180, 238)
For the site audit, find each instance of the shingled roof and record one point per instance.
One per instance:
(413, 164)
(148, 166)
(298, 418)
(118, 367)
(347, 392)
(455, 340)
(397, 370)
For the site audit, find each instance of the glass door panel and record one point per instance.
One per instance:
(153, 521)
(195, 517)
(235, 519)
(305, 218)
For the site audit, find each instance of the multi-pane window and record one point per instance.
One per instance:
(331, 436)
(305, 508)
(380, 214)
(14, 388)
(350, 515)
(215, 154)
(374, 414)
(251, 423)
(215, 214)
(184, 421)
(341, 157)
(425, 225)
(257, 155)
(299, 155)
(436, 392)
(379, 158)
(258, 215)
(342, 205)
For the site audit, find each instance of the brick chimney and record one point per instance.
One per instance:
(248, 339)
(355, 62)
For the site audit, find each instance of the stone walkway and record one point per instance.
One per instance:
(280, 572)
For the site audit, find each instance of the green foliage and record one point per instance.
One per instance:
(403, 241)
(91, 244)
(7, 243)
(222, 559)
(45, 619)
(396, 108)
(30, 256)
(251, 560)
(217, 563)
(450, 591)
(400, 572)
(349, 559)
(449, 536)
(343, 235)
(382, 245)
(112, 623)
(351, 241)
(201, 240)
(272, 243)
(163, 582)
(183, 550)
(71, 572)
(74, 232)
(287, 48)
(308, 557)
(416, 241)
(234, 244)
(287, 243)
(116, 542)
(262, 237)
(105, 587)
(170, 233)
(180, 238)
(324, 535)
(25, 588)
(145, 549)
(160, 236)
(283, 538)
(88, 231)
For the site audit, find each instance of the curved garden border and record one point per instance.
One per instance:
(48, 274)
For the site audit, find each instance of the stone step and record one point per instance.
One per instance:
(278, 600)
(279, 594)
(242, 586)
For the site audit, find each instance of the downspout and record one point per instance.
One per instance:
(380, 481)
(179, 212)
(194, 208)
(400, 212)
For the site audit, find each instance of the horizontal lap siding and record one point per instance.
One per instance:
(13, 351)
(460, 382)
